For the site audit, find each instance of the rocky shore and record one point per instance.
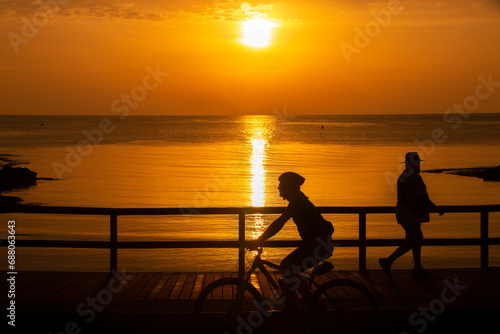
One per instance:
(12, 177)
(485, 173)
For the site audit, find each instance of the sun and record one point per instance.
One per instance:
(257, 33)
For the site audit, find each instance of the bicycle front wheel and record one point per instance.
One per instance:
(225, 304)
(343, 304)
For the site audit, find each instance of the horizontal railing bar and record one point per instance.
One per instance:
(60, 243)
(235, 244)
(228, 210)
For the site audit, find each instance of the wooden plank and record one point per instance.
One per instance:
(476, 283)
(227, 292)
(209, 278)
(167, 288)
(51, 284)
(254, 280)
(25, 280)
(188, 287)
(149, 286)
(73, 282)
(137, 285)
(346, 291)
(197, 286)
(158, 286)
(383, 286)
(264, 284)
(176, 291)
(148, 290)
(217, 293)
(87, 286)
(130, 287)
(29, 283)
(412, 288)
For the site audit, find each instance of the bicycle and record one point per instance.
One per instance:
(338, 302)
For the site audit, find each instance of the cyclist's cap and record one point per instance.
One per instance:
(292, 179)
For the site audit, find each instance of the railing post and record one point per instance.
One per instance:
(362, 241)
(241, 248)
(113, 243)
(484, 240)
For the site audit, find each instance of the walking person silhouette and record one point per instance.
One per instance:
(412, 209)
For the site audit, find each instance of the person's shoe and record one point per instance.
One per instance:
(386, 266)
(420, 273)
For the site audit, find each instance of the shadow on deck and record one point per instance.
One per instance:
(84, 302)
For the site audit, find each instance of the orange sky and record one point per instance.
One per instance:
(85, 57)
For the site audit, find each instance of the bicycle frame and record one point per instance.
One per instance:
(260, 264)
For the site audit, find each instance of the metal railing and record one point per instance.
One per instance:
(484, 241)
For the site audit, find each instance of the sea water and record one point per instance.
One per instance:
(234, 161)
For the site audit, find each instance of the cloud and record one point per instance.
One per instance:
(190, 11)
(79, 9)
(230, 11)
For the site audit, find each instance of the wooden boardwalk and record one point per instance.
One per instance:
(173, 294)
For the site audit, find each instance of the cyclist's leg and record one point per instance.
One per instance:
(290, 281)
(301, 259)
(307, 255)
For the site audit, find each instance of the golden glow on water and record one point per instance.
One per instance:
(257, 133)
(258, 171)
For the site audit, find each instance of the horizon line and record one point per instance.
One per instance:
(219, 115)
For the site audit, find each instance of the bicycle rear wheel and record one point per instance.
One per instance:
(343, 304)
(225, 304)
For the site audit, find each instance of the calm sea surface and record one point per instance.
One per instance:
(192, 162)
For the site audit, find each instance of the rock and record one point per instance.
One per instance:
(9, 200)
(485, 173)
(16, 177)
(492, 174)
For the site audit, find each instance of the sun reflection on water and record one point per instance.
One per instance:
(257, 131)
(258, 171)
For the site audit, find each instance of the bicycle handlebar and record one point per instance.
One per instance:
(258, 249)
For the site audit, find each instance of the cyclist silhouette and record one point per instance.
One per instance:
(313, 229)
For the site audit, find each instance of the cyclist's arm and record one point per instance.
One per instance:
(275, 227)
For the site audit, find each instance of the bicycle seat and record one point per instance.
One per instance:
(324, 268)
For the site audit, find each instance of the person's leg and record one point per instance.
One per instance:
(400, 251)
(405, 247)
(414, 239)
(295, 263)
(417, 238)
(386, 263)
(290, 281)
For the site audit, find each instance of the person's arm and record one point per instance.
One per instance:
(271, 230)
(427, 201)
(434, 207)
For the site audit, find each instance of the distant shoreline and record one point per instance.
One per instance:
(6, 161)
(485, 173)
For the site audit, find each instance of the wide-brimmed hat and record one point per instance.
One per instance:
(412, 157)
